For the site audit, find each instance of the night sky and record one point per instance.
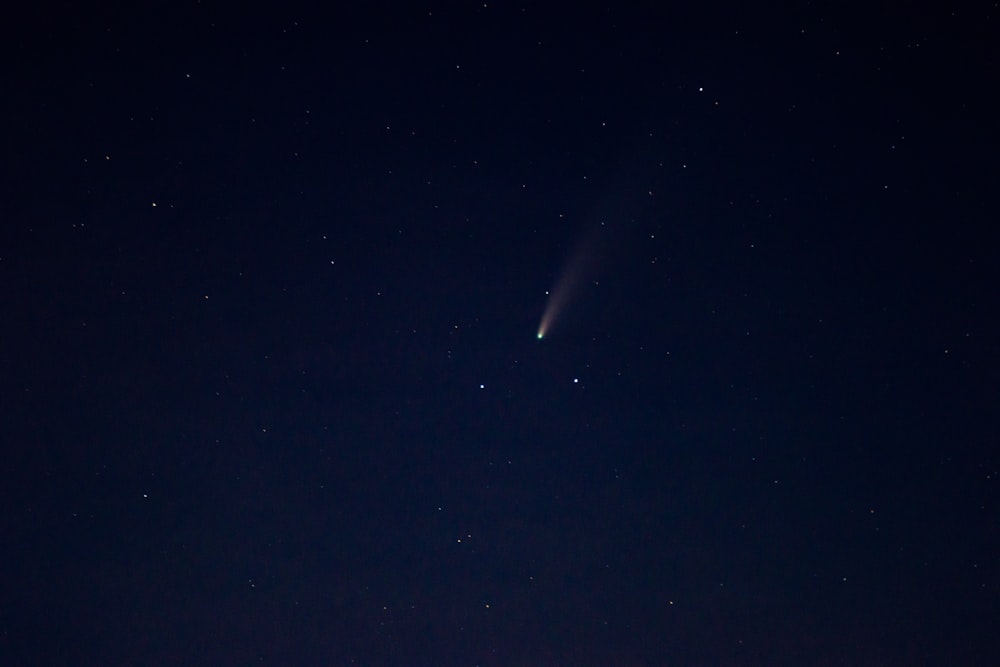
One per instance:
(273, 384)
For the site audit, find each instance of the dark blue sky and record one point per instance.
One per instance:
(270, 386)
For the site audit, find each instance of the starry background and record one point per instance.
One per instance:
(271, 387)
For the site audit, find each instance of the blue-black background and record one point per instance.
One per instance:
(270, 387)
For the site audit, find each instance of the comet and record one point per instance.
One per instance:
(626, 202)
(566, 286)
